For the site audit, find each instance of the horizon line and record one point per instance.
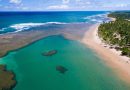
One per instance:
(65, 11)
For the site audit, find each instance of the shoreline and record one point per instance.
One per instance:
(112, 58)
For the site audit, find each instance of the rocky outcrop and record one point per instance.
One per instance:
(49, 53)
(7, 81)
(61, 69)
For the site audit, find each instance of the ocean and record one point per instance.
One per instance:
(21, 21)
(34, 71)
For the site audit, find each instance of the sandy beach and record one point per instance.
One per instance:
(112, 58)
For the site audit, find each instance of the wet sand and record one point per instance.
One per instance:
(112, 58)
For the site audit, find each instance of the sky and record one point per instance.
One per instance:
(63, 5)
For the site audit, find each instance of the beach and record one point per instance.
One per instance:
(112, 58)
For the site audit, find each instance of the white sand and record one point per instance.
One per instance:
(119, 64)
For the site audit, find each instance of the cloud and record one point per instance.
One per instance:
(80, 2)
(77, 0)
(15, 1)
(64, 4)
(121, 5)
(65, 1)
(25, 8)
(58, 7)
(116, 5)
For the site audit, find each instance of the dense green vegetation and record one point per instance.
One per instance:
(120, 15)
(117, 33)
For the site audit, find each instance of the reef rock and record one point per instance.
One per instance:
(7, 81)
(50, 53)
(61, 69)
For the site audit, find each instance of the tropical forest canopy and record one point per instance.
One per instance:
(120, 15)
(117, 33)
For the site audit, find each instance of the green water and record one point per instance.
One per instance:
(36, 72)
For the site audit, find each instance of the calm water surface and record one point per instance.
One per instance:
(36, 72)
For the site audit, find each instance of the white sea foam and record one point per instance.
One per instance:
(3, 29)
(95, 16)
(94, 20)
(25, 26)
(55, 23)
(99, 18)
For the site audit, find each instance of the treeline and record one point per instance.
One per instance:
(120, 15)
(117, 33)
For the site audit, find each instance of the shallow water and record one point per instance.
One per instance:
(86, 71)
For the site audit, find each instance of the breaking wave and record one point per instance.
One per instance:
(26, 26)
(99, 18)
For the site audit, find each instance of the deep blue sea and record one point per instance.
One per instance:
(20, 21)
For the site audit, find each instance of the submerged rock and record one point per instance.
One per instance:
(7, 81)
(50, 53)
(61, 69)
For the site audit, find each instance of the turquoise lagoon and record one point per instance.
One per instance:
(86, 71)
